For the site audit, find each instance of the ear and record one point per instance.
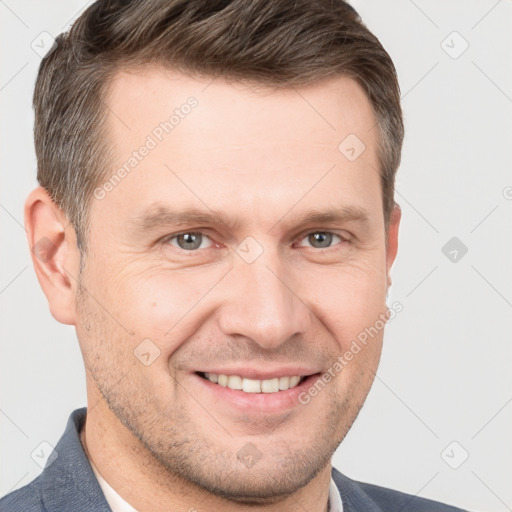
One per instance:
(55, 256)
(392, 240)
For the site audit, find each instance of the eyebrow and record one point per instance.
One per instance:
(159, 215)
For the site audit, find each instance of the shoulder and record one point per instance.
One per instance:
(404, 502)
(25, 499)
(67, 481)
(363, 496)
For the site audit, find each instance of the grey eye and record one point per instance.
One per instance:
(320, 239)
(189, 241)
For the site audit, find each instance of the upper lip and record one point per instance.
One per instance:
(254, 373)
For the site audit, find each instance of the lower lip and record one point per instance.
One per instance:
(258, 402)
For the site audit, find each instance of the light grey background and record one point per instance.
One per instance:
(445, 373)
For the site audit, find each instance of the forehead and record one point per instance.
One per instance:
(140, 97)
(209, 141)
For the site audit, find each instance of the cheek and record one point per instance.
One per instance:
(347, 300)
(162, 305)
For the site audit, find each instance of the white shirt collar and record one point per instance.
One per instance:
(335, 503)
(118, 504)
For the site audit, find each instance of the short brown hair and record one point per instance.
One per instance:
(276, 43)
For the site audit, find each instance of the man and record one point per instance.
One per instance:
(216, 217)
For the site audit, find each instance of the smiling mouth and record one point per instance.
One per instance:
(237, 382)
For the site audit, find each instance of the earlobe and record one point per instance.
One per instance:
(54, 254)
(392, 240)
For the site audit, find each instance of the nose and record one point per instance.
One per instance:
(261, 303)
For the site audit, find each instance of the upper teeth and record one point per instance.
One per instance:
(254, 385)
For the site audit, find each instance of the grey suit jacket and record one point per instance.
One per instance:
(68, 484)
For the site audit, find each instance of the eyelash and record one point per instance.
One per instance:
(168, 239)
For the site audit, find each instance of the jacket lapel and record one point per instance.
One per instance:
(354, 499)
(68, 482)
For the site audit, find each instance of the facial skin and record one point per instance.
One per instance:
(262, 160)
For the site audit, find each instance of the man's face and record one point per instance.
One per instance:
(260, 290)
